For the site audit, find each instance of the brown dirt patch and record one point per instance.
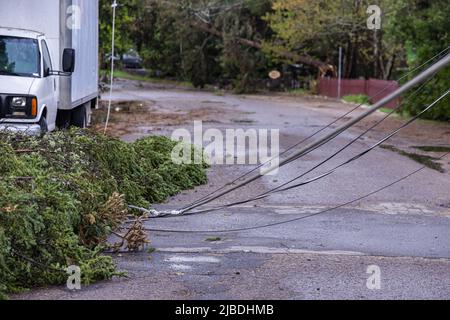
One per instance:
(127, 116)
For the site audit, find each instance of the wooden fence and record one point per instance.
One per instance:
(374, 88)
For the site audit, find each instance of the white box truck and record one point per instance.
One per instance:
(48, 63)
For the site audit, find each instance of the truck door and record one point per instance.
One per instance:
(49, 92)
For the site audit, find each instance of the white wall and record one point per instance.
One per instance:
(85, 43)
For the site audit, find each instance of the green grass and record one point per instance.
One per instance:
(440, 149)
(151, 250)
(396, 113)
(357, 99)
(385, 110)
(298, 92)
(130, 76)
(121, 74)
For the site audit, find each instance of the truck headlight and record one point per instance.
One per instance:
(19, 102)
(21, 107)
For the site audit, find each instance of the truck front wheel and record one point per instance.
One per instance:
(43, 124)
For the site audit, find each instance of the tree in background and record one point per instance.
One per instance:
(239, 61)
(125, 20)
(319, 28)
(236, 42)
(198, 40)
(422, 27)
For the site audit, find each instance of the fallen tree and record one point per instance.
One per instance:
(63, 194)
(323, 67)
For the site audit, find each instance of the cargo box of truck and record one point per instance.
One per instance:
(48, 63)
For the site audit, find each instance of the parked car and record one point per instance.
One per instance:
(132, 60)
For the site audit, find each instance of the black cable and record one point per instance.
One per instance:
(296, 219)
(369, 149)
(314, 134)
(357, 138)
(273, 158)
(276, 190)
(324, 161)
(207, 198)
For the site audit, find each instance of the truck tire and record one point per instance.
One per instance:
(78, 118)
(44, 126)
(63, 119)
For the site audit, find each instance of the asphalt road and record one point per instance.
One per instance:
(403, 230)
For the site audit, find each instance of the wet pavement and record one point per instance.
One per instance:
(404, 230)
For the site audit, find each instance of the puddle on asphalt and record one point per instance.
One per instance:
(430, 162)
(180, 267)
(198, 259)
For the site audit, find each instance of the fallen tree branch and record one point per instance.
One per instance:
(16, 178)
(305, 59)
(135, 238)
(24, 151)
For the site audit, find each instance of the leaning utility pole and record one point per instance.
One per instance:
(422, 77)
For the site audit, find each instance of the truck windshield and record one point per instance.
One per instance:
(19, 57)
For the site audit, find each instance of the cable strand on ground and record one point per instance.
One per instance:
(296, 219)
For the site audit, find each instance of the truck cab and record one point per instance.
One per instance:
(40, 86)
(28, 87)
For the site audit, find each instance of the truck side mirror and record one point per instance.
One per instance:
(68, 63)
